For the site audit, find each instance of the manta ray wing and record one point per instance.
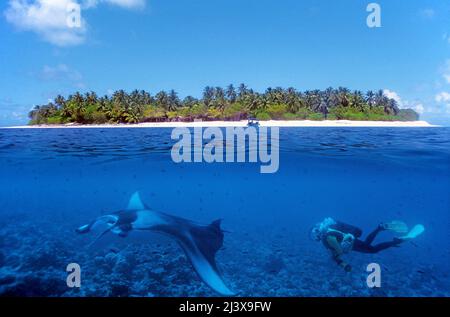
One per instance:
(200, 243)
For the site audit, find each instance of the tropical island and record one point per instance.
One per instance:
(220, 104)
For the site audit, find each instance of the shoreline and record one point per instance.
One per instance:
(243, 123)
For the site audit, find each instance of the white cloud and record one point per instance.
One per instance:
(437, 107)
(446, 37)
(446, 71)
(48, 18)
(58, 72)
(428, 13)
(62, 73)
(393, 95)
(447, 78)
(417, 106)
(442, 97)
(12, 113)
(128, 4)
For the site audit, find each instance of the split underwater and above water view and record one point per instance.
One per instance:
(223, 156)
(138, 224)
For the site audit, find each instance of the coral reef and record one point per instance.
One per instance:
(34, 257)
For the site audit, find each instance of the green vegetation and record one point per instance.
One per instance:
(221, 104)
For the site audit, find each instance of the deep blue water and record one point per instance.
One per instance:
(54, 180)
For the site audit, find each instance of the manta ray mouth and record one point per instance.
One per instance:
(101, 235)
(109, 220)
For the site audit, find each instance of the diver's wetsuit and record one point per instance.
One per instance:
(367, 247)
(333, 238)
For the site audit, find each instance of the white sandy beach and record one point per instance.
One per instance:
(243, 123)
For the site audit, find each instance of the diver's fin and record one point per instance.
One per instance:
(415, 232)
(135, 202)
(396, 226)
(200, 244)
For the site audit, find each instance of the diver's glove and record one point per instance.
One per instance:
(347, 267)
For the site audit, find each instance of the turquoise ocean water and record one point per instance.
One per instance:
(54, 180)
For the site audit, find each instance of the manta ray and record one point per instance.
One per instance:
(199, 242)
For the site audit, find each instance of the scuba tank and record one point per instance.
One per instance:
(346, 228)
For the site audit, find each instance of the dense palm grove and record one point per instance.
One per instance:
(221, 104)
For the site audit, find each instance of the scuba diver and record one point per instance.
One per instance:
(341, 238)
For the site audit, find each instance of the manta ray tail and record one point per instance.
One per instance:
(200, 244)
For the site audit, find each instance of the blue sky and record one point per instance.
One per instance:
(186, 45)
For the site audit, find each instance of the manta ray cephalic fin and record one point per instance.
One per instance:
(135, 202)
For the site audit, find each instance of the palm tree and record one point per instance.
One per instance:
(274, 95)
(254, 101)
(77, 98)
(91, 98)
(231, 93)
(33, 114)
(174, 101)
(189, 101)
(208, 96)
(379, 98)
(119, 97)
(370, 98)
(145, 98)
(358, 100)
(60, 101)
(331, 98)
(104, 104)
(133, 111)
(123, 107)
(135, 96)
(76, 105)
(219, 98)
(391, 107)
(343, 95)
(162, 100)
(242, 92)
(292, 100)
(313, 100)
